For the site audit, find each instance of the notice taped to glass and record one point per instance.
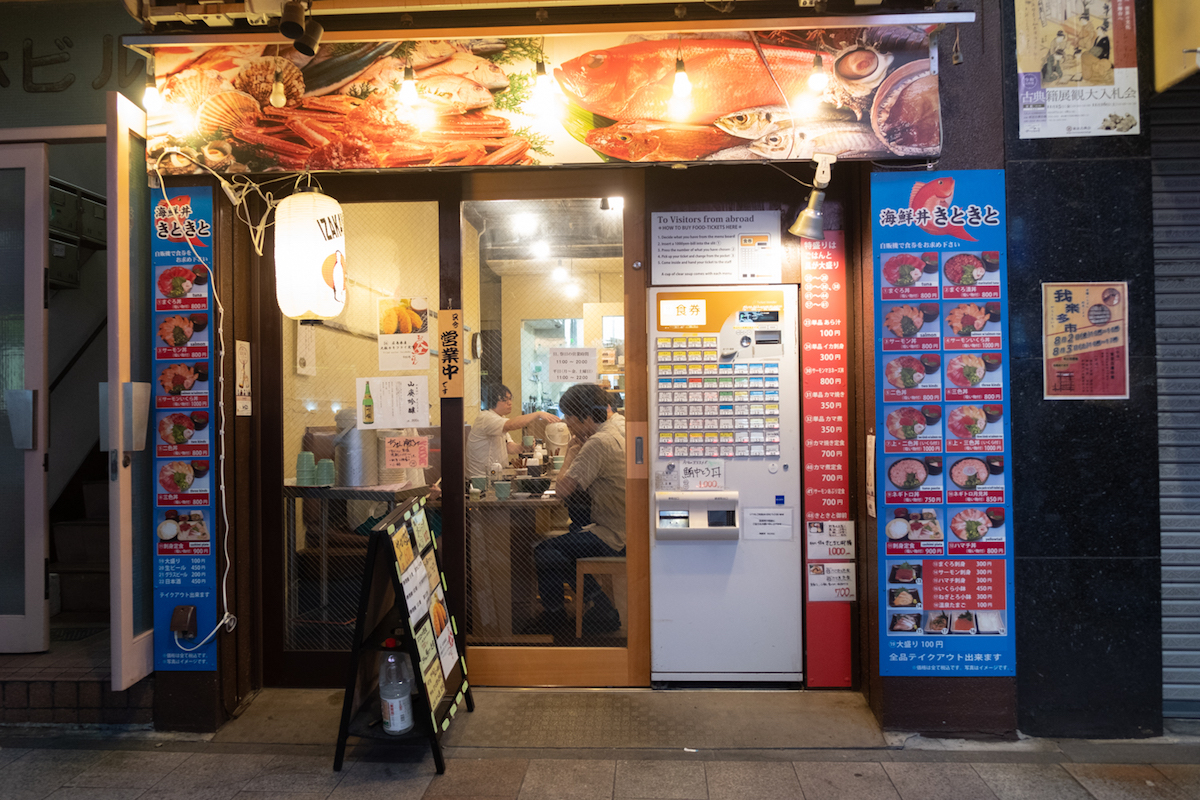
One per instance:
(1085, 349)
(1077, 64)
(715, 247)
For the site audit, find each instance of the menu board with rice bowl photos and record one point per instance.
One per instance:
(942, 460)
(184, 445)
(402, 597)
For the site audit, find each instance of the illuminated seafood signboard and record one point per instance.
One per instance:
(481, 102)
(943, 414)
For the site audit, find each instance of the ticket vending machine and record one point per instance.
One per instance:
(726, 569)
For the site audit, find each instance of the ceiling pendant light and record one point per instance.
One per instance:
(310, 262)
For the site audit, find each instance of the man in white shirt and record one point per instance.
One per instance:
(489, 442)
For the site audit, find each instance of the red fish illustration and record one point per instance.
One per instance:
(936, 194)
(634, 81)
(658, 141)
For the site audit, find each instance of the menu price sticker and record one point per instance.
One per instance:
(825, 541)
(832, 582)
(825, 385)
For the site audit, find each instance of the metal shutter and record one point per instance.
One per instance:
(1175, 161)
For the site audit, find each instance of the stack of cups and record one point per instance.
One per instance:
(325, 472)
(306, 469)
(557, 461)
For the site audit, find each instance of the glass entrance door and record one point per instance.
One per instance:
(555, 517)
(24, 229)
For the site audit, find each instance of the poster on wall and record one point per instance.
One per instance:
(403, 333)
(1085, 350)
(607, 97)
(1077, 65)
(944, 434)
(185, 488)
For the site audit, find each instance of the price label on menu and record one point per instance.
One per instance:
(968, 583)
(825, 403)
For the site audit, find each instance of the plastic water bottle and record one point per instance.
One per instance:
(395, 694)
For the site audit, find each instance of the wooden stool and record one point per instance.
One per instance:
(594, 566)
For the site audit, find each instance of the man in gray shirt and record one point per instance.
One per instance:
(599, 469)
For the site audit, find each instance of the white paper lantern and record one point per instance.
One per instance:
(310, 256)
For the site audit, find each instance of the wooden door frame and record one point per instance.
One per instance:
(495, 666)
(327, 669)
(592, 666)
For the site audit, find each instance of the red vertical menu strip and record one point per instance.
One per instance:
(825, 418)
(825, 382)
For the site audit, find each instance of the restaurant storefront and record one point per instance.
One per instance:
(576, 241)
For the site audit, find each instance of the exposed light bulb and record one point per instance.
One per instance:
(571, 291)
(541, 250)
(278, 95)
(152, 101)
(559, 274)
(408, 89)
(818, 79)
(683, 86)
(543, 83)
(616, 203)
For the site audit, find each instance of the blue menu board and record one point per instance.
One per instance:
(185, 487)
(943, 483)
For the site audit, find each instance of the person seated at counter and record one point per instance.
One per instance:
(489, 441)
(599, 469)
(579, 506)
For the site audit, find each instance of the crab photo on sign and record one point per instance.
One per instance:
(479, 102)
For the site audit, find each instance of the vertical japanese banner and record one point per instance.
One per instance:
(1085, 349)
(185, 487)
(450, 353)
(825, 385)
(825, 382)
(942, 422)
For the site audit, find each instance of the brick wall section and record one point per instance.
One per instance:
(76, 702)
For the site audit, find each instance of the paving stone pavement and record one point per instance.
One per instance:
(154, 767)
(136, 763)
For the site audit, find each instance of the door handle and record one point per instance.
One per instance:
(22, 416)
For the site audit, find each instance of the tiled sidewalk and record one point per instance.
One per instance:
(191, 771)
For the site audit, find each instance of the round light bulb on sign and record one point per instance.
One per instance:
(310, 256)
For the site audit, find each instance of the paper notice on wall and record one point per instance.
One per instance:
(573, 365)
(244, 392)
(450, 353)
(393, 402)
(773, 523)
(830, 540)
(406, 452)
(715, 247)
(831, 582)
